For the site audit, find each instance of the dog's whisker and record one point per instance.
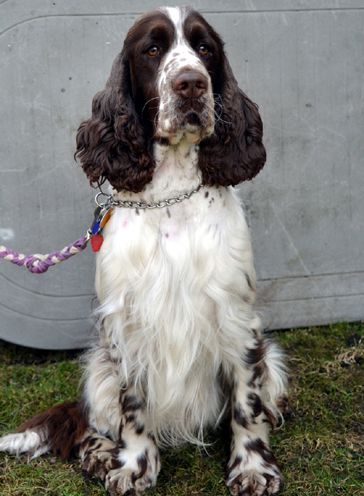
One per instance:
(147, 102)
(216, 114)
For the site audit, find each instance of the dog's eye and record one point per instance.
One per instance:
(203, 50)
(153, 51)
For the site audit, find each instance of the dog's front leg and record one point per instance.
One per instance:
(128, 466)
(118, 449)
(138, 454)
(252, 469)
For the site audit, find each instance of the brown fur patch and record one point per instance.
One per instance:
(260, 447)
(255, 403)
(65, 424)
(240, 417)
(130, 403)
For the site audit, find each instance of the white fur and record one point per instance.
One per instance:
(177, 16)
(171, 285)
(29, 442)
(102, 390)
(275, 385)
(136, 446)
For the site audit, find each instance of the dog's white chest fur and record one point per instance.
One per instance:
(173, 285)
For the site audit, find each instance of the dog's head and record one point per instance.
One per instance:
(171, 81)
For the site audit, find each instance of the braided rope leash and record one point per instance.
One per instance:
(38, 264)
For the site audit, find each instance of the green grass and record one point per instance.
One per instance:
(320, 447)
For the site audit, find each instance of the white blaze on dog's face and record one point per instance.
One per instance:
(186, 106)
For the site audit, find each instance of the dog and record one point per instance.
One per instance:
(180, 346)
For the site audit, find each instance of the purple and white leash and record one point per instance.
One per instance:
(37, 264)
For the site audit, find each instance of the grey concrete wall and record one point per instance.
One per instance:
(301, 60)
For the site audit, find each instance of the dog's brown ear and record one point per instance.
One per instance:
(112, 144)
(235, 152)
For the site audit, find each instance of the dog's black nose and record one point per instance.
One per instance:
(190, 84)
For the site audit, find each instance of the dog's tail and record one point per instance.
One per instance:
(58, 430)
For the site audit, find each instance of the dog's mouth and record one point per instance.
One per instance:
(192, 121)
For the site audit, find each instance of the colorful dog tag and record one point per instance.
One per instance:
(96, 242)
(101, 217)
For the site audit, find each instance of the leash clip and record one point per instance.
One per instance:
(106, 204)
(102, 215)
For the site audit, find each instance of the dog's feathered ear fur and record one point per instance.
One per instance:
(112, 144)
(235, 152)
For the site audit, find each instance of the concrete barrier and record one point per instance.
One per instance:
(300, 60)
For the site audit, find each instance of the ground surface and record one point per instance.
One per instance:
(320, 447)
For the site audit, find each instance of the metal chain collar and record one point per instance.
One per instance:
(111, 202)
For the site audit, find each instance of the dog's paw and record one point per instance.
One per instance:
(124, 482)
(253, 483)
(99, 463)
(127, 468)
(137, 472)
(253, 471)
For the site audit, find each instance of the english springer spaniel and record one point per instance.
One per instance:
(180, 345)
